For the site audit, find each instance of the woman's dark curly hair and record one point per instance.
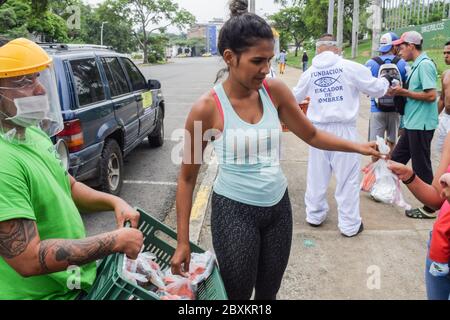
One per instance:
(242, 30)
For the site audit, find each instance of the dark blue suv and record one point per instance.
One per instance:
(108, 108)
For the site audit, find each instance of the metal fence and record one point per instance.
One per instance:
(404, 13)
(434, 34)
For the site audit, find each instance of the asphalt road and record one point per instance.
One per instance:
(151, 174)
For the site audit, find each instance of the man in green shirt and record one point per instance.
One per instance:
(421, 113)
(44, 252)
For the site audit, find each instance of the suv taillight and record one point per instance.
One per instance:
(72, 135)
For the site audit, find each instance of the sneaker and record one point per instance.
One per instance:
(361, 229)
(314, 225)
(420, 213)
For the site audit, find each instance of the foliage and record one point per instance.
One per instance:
(149, 13)
(290, 23)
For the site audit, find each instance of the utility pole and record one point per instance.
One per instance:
(340, 23)
(252, 6)
(355, 28)
(330, 16)
(376, 26)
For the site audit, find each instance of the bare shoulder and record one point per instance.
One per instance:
(204, 108)
(278, 89)
(206, 111)
(446, 76)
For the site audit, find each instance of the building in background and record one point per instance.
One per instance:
(209, 32)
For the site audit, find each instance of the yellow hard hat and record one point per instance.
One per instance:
(20, 57)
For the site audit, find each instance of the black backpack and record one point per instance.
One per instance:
(389, 103)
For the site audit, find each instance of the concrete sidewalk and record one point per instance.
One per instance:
(386, 261)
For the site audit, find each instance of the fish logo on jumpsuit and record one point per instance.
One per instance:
(326, 81)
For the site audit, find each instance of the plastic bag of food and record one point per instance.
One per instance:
(144, 270)
(387, 187)
(130, 273)
(369, 178)
(178, 286)
(201, 266)
(147, 266)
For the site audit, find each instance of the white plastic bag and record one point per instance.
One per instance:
(387, 185)
(201, 266)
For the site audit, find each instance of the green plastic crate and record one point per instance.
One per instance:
(111, 285)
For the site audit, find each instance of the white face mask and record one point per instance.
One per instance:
(30, 110)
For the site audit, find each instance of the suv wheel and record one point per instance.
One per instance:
(111, 168)
(156, 138)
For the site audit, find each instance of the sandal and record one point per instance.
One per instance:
(420, 213)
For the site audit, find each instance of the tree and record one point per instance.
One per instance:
(20, 18)
(152, 16)
(290, 22)
(49, 26)
(315, 17)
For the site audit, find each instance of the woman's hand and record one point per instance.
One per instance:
(181, 259)
(369, 149)
(402, 171)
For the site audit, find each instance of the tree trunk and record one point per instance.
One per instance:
(376, 28)
(340, 24)
(145, 47)
(355, 28)
(330, 16)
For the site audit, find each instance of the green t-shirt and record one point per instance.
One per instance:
(421, 115)
(34, 185)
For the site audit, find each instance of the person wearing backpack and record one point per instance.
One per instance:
(384, 117)
(421, 114)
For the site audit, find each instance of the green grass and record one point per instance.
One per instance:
(296, 62)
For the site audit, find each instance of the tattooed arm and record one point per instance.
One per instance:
(90, 200)
(22, 249)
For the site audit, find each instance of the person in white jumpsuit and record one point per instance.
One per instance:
(334, 85)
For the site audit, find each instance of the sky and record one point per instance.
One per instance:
(205, 10)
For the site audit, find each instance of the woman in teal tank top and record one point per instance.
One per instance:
(251, 218)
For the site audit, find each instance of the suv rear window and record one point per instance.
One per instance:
(137, 80)
(87, 81)
(116, 77)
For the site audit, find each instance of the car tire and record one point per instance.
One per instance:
(156, 138)
(111, 168)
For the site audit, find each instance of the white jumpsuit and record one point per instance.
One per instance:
(334, 85)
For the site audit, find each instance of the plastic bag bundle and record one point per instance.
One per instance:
(201, 266)
(386, 185)
(177, 288)
(145, 272)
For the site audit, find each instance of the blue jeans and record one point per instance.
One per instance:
(438, 288)
(305, 66)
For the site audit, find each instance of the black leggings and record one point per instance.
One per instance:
(252, 245)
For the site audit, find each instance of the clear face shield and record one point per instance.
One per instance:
(30, 101)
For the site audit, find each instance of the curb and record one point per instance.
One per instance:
(200, 204)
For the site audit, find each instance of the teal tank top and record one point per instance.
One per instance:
(249, 155)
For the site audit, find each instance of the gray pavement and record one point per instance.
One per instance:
(386, 261)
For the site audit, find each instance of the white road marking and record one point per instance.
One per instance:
(159, 183)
